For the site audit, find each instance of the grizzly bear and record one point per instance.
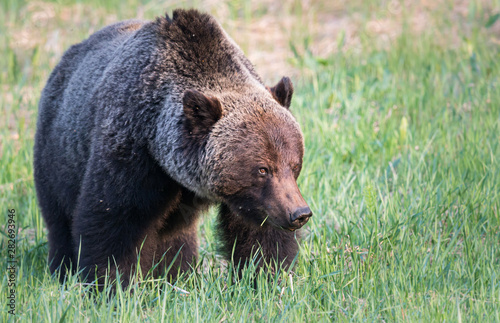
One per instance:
(145, 125)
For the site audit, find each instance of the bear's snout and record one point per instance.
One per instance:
(287, 195)
(299, 217)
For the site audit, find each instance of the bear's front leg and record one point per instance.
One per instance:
(276, 246)
(178, 247)
(116, 219)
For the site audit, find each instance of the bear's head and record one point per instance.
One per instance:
(253, 150)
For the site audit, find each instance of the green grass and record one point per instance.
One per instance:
(401, 171)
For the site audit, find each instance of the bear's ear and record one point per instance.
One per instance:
(201, 112)
(283, 91)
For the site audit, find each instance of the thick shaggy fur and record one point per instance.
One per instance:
(143, 126)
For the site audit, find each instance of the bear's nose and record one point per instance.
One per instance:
(300, 217)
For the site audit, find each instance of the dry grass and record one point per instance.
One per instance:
(264, 29)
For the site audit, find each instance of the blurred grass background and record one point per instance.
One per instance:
(399, 103)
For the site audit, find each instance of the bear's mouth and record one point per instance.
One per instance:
(288, 227)
(291, 229)
(269, 220)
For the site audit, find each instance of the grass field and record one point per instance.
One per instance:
(399, 103)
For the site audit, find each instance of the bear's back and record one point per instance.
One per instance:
(65, 117)
(73, 80)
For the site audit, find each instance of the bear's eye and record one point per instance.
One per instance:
(263, 171)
